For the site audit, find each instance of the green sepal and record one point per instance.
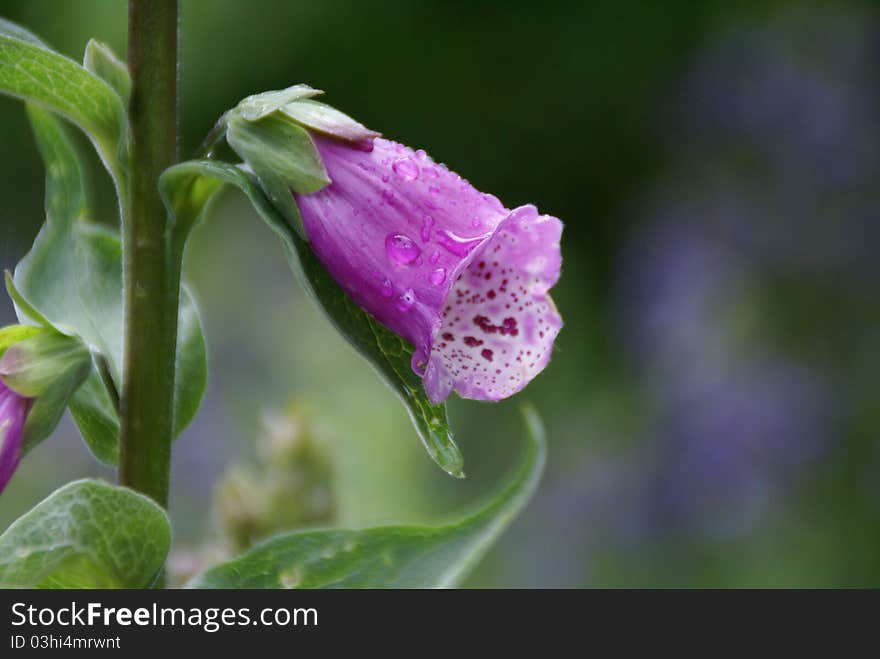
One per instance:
(254, 108)
(33, 365)
(49, 367)
(278, 150)
(325, 119)
(15, 333)
(48, 408)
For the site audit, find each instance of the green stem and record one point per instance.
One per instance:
(151, 290)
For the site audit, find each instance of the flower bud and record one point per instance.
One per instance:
(39, 371)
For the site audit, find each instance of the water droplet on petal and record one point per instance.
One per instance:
(438, 276)
(458, 245)
(419, 362)
(387, 195)
(434, 257)
(401, 248)
(427, 225)
(434, 190)
(406, 300)
(493, 200)
(421, 154)
(387, 288)
(406, 169)
(385, 178)
(475, 222)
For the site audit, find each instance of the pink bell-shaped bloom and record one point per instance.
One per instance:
(13, 412)
(448, 268)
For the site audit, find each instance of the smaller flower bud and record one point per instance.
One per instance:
(33, 365)
(291, 487)
(40, 369)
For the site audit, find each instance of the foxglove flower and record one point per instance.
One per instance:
(450, 269)
(13, 412)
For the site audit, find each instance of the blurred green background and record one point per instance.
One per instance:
(713, 406)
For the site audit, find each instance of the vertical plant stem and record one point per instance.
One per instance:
(151, 290)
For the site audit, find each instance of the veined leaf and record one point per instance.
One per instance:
(87, 534)
(31, 71)
(385, 557)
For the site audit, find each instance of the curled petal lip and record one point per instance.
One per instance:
(500, 366)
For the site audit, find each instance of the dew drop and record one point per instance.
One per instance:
(406, 169)
(406, 300)
(387, 288)
(419, 362)
(385, 178)
(493, 200)
(458, 245)
(401, 248)
(434, 190)
(434, 258)
(427, 225)
(387, 195)
(438, 276)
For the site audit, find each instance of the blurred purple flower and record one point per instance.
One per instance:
(727, 448)
(789, 117)
(772, 197)
(449, 269)
(13, 412)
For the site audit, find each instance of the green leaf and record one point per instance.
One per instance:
(32, 72)
(102, 61)
(87, 534)
(386, 557)
(186, 191)
(72, 277)
(10, 29)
